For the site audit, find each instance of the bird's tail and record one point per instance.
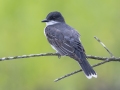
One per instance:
(88, 70)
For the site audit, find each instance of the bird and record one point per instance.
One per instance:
(65, 40)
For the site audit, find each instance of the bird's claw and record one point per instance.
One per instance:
(59, 56)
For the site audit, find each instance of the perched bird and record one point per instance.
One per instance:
(66, 41)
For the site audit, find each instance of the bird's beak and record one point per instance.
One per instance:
(45, 20)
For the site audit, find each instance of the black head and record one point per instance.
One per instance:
(54, 16)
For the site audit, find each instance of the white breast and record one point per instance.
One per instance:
(51, 23)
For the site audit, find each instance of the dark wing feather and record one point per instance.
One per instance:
(58, 41)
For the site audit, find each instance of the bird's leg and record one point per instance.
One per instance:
(59, 56)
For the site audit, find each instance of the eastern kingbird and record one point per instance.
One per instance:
(66, 41)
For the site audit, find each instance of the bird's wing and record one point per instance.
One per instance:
(59, 41)
(78, 45)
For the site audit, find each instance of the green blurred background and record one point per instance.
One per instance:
(21, 32)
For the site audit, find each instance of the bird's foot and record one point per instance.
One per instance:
(59, 56)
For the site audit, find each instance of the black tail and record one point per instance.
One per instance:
(88, 70)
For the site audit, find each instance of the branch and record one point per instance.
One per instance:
(55, 54)
(104, 46)
(67, 75)
(106, 60)
(28, 56)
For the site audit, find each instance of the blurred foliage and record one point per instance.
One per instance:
(21, 32)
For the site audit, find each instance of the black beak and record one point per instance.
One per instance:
(45, 20)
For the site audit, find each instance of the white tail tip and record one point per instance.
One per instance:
(92, 75)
